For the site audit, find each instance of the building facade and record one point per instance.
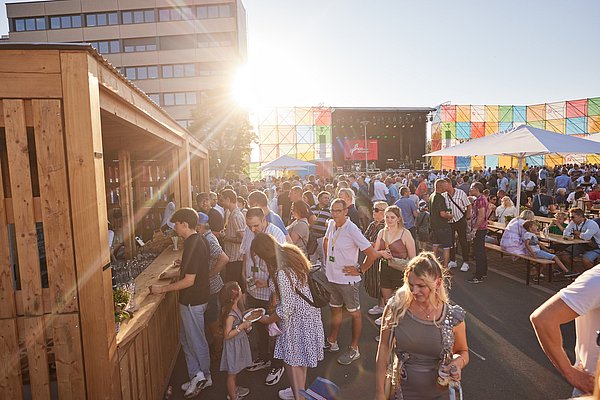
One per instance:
(173, 51)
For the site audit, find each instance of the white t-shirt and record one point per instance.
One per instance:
(262, 273)
(343, 244)
(583, 297)
(380, 191)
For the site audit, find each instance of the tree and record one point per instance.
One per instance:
(225, 130)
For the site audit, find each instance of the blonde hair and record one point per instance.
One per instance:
(427, 267)
(398, 213)
(527, 215)
(381, 205)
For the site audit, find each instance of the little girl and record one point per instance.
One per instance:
(535, 247)
(236, 354)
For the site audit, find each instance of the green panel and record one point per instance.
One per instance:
(594, 106)
(505, 113)
(448, 130)
(323, 130)
(253, 171)
(537, 124)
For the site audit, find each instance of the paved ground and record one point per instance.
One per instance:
(506, 360)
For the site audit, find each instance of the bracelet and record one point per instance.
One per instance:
(457, 356)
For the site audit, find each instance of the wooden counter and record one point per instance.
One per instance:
(148, 344)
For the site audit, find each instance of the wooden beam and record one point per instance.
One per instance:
(83, 139)
(37, 357)
(68, 357)
(185, 182)
(126, 196)
(11, 383)
(54, 193)
(41, 61)
(8, 307)
(30, 86)
(25, 228)
(175, 186)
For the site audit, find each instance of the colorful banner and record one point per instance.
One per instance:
(354, 150)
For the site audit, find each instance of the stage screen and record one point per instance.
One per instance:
(354, 150)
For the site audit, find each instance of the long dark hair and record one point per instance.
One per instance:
(227, 297)
(287, 257)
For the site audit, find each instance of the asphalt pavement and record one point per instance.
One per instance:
(506, 359)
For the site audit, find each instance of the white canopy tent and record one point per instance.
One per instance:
(522, 141)
(285, 163)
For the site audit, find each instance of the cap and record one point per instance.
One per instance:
(422, 203)
(202, 218)
(321, 389)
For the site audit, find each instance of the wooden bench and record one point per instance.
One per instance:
(530, 260)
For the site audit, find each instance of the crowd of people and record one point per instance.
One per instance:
(251, 245)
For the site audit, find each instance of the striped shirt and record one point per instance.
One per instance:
(235, 223)
(215, 250)
(460, 198)
(323, 215)
(256, 263)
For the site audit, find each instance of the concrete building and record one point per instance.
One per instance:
(173, 53)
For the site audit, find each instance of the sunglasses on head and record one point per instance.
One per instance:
(378, 210)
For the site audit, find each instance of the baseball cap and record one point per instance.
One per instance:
(202, 218)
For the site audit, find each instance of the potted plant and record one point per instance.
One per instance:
(121, 299)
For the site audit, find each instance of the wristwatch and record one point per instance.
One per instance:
(359, 268)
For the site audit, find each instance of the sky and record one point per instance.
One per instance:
(386, 53)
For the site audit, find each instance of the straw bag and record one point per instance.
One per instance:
(396, 263)
(392, 372)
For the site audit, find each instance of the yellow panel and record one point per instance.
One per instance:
(536, 112)
(463, 113)
(448, 162)
(553, 159)
(505, 161)
(593, 159)
(491, 114)
(556, 125)
(436, 162)
(491, 127)
(594, 124)
(477, 163)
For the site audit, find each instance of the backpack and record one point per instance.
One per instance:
(318, 285)
(311, 244)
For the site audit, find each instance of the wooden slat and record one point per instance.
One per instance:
(147, 366)
(10, 215)
(8, 307)
(175, 184)
(125, 380)
(54, 193)
(133, 373)
(37, 357)
(42, 61)
(10, 367)
(83, 142)
(185, 181)
(68, 357)
(47, 304)
(126, 196)
(31, 86)
(140, 367)
(23, 210)
(28, 114)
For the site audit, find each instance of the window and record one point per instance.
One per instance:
(185, 123)
(140, 73)
(101, 19)
(179, 98)
(107, 46)
(221, 39)
(65, 21)
(178, 42)
(214, 11)
(176, 14)
(178, 70)
(139, 44)
(167, 71)
(29, 24)
(190, 69)
(137, 16)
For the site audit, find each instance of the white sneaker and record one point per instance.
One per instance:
(286, 394)
(377, 338)
(378, 321)
(375, 310)
(196, 384)
(465, 267)
(452, 264)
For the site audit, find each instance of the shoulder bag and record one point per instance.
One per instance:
(396, 263)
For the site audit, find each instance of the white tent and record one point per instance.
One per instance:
(521, 142)
(284, 163)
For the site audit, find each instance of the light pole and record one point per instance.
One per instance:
(364, 124)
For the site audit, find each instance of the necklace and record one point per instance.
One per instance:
(427, 313)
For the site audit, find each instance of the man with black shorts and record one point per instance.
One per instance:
(440, 215)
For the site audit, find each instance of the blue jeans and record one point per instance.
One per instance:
(479, 253)
(193, 339)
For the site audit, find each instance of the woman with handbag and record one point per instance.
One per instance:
(371, 277)
(423, 346)
(396, 246)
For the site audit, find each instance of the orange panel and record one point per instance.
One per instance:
(491, 127)
(536, 112)
(491, 114)
(448, 162)
(463, 113)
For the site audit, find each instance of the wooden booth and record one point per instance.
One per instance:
(77, 142)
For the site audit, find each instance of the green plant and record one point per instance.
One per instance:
(121, 300)
(507, 219)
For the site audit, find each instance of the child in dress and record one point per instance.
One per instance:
(535, 247)
(423, 225)
(236, 347)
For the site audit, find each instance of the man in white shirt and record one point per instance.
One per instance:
(379, 190)
(258, 292)
(341, 244)
(581, 227)
(580, 302)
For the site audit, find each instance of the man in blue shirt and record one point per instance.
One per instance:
(392, 196)
(409, 211)
(259, 199)
(562, 181)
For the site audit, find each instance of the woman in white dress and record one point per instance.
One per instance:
(506, 209)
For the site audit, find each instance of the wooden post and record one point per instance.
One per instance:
(185, 183)
(126, 191)
(83, 142)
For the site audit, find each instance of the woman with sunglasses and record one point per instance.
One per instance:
(371, 277)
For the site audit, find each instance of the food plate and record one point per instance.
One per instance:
(254, 314)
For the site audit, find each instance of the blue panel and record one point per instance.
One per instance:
(505, 126)
(463, 163)
(491, 161)
(535, 161)
(576, 125)
(463, 130)
(519, 114)
(305, 134)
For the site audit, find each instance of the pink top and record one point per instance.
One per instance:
(481, 202)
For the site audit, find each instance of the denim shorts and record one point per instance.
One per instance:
(545, 255)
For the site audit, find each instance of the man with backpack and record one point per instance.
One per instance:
(341, 245)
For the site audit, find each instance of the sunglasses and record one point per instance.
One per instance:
(377, 210)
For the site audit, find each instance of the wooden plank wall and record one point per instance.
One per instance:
(146, 362)
(39, 326)
(126, 195)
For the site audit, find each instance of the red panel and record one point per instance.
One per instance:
(354, 150)
(477, 129)
(436, 144)
(448, 113)
(577, 108)
(322, 117)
